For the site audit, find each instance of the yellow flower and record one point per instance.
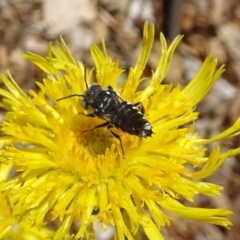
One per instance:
(9, 227)
(80, 177)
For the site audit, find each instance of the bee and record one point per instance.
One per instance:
(109, 106)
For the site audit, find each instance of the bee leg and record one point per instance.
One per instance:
(96, 127)
(116, 136)
(140, 107)
(89, 115)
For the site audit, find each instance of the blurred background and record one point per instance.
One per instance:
(209, 26)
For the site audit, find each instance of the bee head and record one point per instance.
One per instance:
(90, 95)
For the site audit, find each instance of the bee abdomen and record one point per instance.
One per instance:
(129, 119)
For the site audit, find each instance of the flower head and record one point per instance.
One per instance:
(80, 177)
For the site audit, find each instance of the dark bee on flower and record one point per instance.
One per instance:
(107, 104)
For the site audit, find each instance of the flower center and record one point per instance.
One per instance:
(97, 141)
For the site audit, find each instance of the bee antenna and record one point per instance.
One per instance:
(73, 95)
(85, 73)
(85, 80)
